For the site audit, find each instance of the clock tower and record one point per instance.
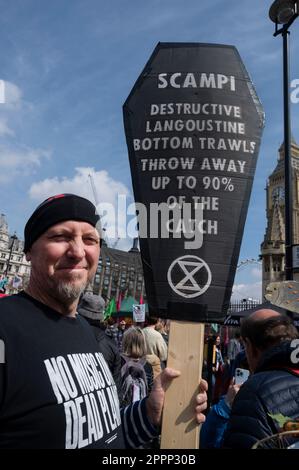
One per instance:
(273, 246)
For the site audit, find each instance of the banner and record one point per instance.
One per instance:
(139, 313)
(193, 125)
(17, 282)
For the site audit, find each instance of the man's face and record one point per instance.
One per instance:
(64, 259)
(122, 325)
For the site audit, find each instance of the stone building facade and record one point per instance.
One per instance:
(119, 272)
(13, 264)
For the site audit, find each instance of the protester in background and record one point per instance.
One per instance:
(234, 347)
(56, 389)
(111, 329)
(213, 429)
(155, 344)
(91, 307)
(217, 369)
(120, 332)
(135, 365)
(138, 371)
(273, 387)
(218, 357)
(162, 329)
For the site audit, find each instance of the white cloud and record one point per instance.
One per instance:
(12, 95)
(244, 291)
(106, 187)
(107, 192)
(4, 129)
(257, 272)
(18, 162)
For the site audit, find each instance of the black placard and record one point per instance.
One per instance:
(193, 125)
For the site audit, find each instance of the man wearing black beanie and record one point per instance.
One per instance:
(63, 244)
(56, 389)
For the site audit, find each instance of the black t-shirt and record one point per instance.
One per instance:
(56, 390)
(109, 349)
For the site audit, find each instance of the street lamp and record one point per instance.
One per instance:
(284, 12)
(13, 238)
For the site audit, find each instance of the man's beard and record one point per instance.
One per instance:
(69, 291)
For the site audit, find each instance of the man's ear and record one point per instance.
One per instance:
(28, 256)
(250, 345)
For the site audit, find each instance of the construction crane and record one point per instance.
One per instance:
(96, 199)
(115, 243)
(95, 194)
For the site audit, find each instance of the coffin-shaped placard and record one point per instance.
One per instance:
(193, 125)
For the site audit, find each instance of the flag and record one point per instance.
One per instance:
(17, 282)
(119, 301)
(110, 309)
(141, 301)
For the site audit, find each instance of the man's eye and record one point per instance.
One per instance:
(91, 240)
(60, 237)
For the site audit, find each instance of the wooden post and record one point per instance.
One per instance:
(185, 353)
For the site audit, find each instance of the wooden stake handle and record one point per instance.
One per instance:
(185, 353)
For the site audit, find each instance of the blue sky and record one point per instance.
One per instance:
(68, 67)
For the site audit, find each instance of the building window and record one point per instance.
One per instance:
(3, 255)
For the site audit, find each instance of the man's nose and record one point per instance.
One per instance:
(76, 248)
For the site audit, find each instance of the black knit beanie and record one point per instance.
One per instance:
(57, 209)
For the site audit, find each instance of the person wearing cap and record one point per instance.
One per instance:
(56, 389)
(91, 307)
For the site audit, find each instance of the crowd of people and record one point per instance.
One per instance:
(71, 379)
(245, 413)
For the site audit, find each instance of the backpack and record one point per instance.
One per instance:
(134, 384)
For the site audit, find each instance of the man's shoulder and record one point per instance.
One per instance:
(262, 385)
(12, 309)
(151, 331)
(20, 310)
(107, 339)
(11, 303)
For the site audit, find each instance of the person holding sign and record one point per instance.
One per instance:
(56, 389)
